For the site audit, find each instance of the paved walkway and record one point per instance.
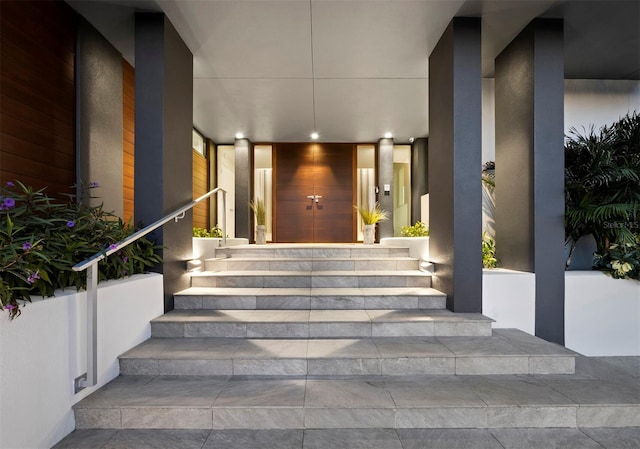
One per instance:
(585, 438)
(622, 372)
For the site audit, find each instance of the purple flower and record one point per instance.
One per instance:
(71, 224)
(94, 184)
(27, 246)
(113, 246)
(9, 307)
(32, 277)
(125, 259)
(10, 184)
(8, 203)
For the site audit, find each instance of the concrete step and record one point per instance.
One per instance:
(311, 279)
(312, 251)
(310, 264)
(501, 353)
(593, 396)
(309, 298)
(318, 324)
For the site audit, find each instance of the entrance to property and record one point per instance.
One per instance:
(314, 192)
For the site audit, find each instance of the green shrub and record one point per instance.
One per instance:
(41, 239)
(372, 216)
(214, 232)
(417, 230)
(489, 259)
(621, 261)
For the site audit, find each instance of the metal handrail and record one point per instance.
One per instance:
(90, 378)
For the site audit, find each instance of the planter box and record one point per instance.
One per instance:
(418, 246)
(205, 248)
(44, 349)
(602, 314)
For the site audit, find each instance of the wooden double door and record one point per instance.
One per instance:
(314, 192)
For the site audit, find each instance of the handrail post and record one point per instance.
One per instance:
(90, 378)
(224, 217)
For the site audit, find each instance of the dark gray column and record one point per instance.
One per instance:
(244, 174)
(385, 177)
(99, 118)
(419, 171)
(530, 166)
(455, 153)
(164, 121)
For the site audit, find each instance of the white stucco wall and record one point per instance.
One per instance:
(586, 102)
(44, 349)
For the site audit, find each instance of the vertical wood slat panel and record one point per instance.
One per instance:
(38, 85)
(200, 187)
(128, 144)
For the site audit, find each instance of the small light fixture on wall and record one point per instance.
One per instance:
(239, 136)
(315, 135)
(388, 135)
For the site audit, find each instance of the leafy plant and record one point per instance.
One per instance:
(41, 239)
(489, 173)
(257, 206)
(489, 259)
(602, 184)
(621, 261)
(419, 229)
(214, 232)
(372, 215)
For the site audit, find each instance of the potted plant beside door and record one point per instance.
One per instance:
(257, 206)
(371, 216)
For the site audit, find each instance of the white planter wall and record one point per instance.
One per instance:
(418, 246)
(204, 248)
(44, 349)
(508, 297)
(602, 314)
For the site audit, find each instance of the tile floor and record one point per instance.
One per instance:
(527, 438)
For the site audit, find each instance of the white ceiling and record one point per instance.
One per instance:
(352, 70)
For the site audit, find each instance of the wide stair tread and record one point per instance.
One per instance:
(502, 353)
(318, 323)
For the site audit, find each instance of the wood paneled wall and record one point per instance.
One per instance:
(128, 134)
(37, 88)
(200, 187)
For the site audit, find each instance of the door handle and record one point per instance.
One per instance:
(316, 198)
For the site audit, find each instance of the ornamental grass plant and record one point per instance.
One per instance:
(42, 238)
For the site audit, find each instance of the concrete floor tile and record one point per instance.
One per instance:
(258, 417)
(609, 416)
(433, 394)
(598, 391)
(347, 348)
(158, 439)
(259, 348)
(256, 393)
(166, 418)
(532, 416)
(442, 417)
(613, 438)
(447, 439)
(86, 439)
(351, 439)
(254, 439)
(346, 394)
(349, 418)
(501, 392)
(544, 439)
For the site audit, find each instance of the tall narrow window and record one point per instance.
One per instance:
(401, 187)
(263, 183)
(366, 180)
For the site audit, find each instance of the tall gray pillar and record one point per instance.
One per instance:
(99, 123)
(164, 122)
(244, 172)
(385, 178)
(455, 153)
(530, 166)
(419, 171)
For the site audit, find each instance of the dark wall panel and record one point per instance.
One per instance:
(163, 126)
(37, 94)
(530, 166)
(99, 122)
(455, 124)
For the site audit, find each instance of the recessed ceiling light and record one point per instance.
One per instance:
(411, 139)
(314, 135)
(239, 136)
(388, 135)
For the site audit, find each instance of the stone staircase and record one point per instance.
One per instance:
(333, 336)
